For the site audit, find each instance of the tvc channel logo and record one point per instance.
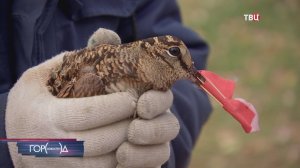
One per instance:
(252, 17)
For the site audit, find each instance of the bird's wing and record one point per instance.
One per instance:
(88, 84)
(66, 90)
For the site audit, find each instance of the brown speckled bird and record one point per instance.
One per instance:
(153, 63)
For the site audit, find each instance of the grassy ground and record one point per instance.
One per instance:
(264, 58)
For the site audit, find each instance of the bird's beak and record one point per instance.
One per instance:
(196, 77)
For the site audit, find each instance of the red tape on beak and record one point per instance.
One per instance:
(222, 90)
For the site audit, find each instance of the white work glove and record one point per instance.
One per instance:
(150, 135)
(100, 121)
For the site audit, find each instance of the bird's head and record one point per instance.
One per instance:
(163, 60)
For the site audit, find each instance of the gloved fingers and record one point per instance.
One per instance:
(129, 155)
(159, 130)
(153, 103)
(99, 141)
(75, 114)
(103, 36)
(103, 161)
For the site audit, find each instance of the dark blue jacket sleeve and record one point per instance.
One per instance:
(5, 160)
(191, 105)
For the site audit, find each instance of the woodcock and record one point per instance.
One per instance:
(107, 66)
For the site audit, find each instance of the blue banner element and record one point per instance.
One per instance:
(51, 148)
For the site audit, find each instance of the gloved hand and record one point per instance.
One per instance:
(101, 121)
(150, 135)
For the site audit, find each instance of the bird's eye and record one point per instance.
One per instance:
(174, 51)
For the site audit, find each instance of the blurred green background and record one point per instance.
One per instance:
(264, 58)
